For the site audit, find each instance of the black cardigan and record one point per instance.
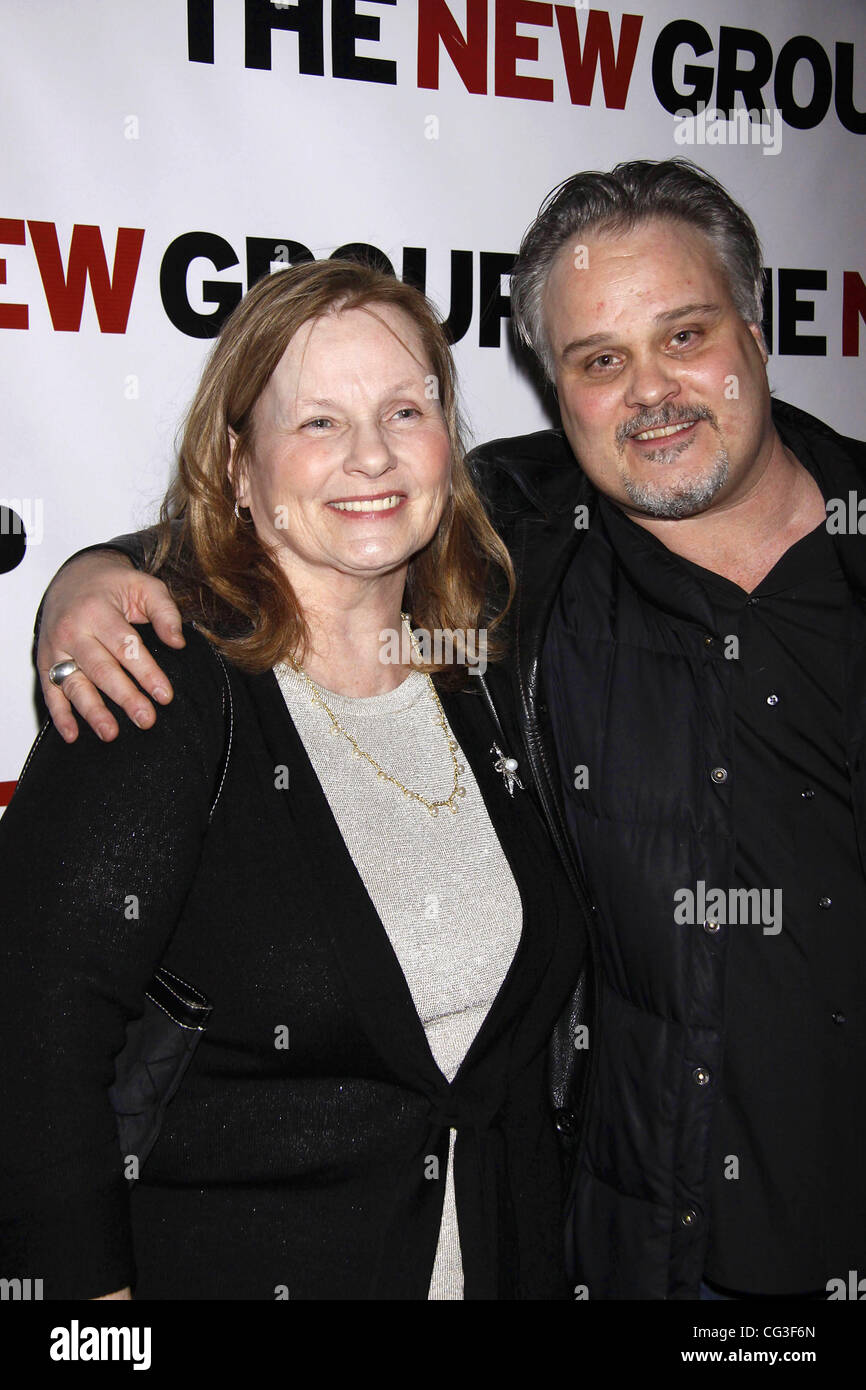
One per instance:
(294, 1172)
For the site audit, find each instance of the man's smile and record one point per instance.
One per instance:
(663, 431)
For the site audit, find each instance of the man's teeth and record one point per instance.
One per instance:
(376, 504)
(665, 431)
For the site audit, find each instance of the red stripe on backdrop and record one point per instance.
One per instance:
(6, 790)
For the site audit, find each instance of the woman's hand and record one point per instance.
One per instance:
(86, 616)
(121, 1293)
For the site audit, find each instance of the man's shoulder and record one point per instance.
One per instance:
(818, 435)
(528, 471)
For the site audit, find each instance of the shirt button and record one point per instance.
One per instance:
(719, 775)
(807, 794)
(772, 699)
(711, 926)
(708, 640)
(701, 1076)
(825, 902)
(838, 1018)
(689, 1217)
(752, 600)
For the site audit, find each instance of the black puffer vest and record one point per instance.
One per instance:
(655, 729)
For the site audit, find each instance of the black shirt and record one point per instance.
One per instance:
(785, 1188)
(789, 1139)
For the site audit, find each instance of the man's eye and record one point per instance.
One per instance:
(603, 361)
(684, 336)
(321, 422)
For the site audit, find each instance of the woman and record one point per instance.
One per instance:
(334, 849)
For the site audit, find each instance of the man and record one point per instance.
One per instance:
(689, 638)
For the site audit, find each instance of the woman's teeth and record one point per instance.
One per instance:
(376, 504)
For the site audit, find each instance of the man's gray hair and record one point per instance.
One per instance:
(619, 201)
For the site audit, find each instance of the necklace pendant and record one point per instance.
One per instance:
(507, 768)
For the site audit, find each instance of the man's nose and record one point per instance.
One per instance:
(651, 380)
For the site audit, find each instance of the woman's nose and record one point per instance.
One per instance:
(369, 449)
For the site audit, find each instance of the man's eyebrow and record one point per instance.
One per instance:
(668, 316)
(592, 341)
(685, 310)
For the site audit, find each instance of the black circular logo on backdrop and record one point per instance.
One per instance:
(13, 540)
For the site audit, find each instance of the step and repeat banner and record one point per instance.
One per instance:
(159, 158)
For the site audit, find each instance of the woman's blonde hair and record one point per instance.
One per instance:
(228, 580)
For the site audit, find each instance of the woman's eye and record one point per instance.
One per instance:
(321, 422)
(406, 412)
(683, 337)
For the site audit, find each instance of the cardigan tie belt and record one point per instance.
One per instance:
(482, 1196)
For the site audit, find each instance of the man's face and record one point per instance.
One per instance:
(645, 337)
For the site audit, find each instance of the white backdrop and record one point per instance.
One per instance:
(113, 121)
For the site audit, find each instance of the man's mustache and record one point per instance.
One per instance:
(656, 420)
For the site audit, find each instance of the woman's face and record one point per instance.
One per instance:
(351, 455)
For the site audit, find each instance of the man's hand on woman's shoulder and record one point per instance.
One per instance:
(86, 616)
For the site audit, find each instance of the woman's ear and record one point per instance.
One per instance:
(235, 470)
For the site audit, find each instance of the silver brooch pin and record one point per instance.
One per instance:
(508, 768)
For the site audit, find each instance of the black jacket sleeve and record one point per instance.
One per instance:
(135, 545)
(98, 849)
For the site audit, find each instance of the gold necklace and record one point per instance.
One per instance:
(317, 698)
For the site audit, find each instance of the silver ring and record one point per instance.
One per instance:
(60, 670)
